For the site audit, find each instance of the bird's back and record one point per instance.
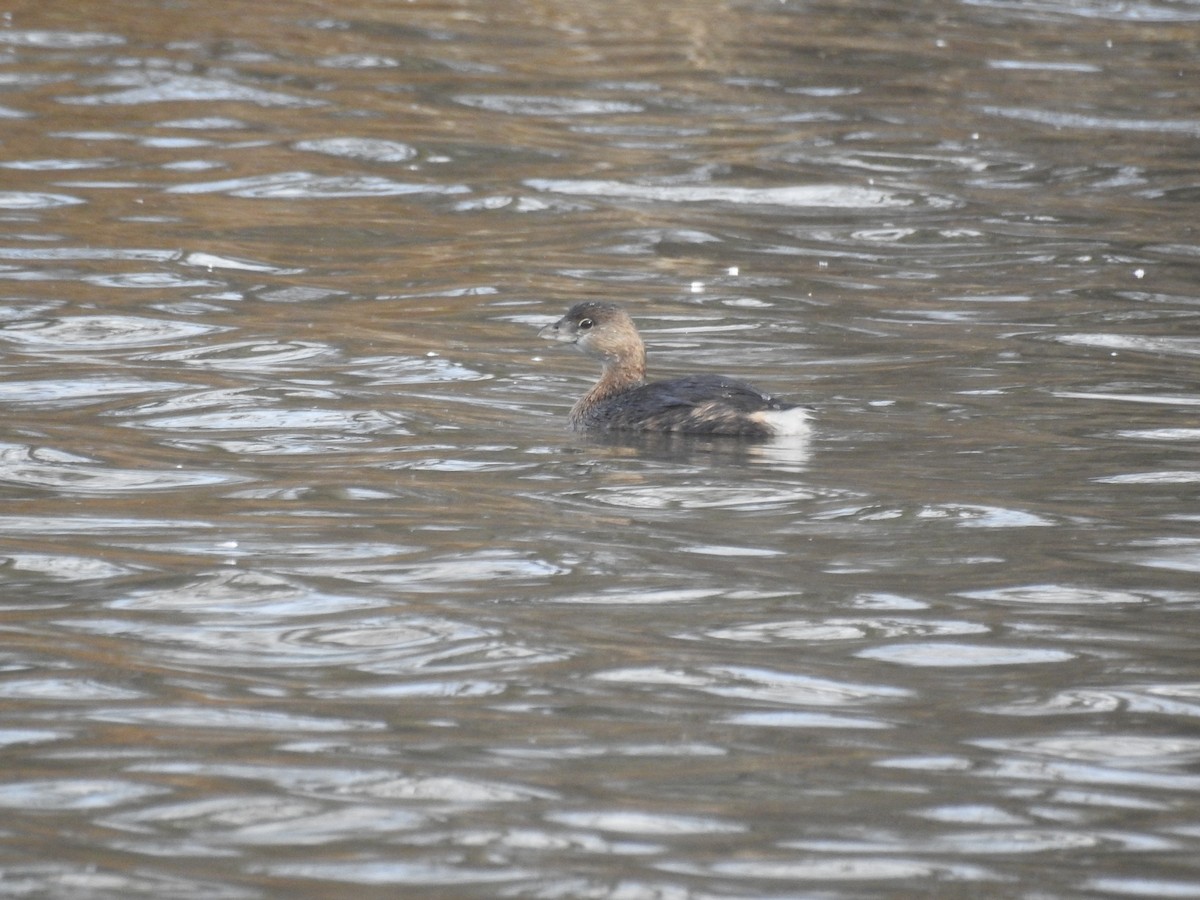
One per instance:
(698, 404)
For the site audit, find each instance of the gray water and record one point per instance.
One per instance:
(307, 590)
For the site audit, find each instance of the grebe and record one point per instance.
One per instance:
(622, 400)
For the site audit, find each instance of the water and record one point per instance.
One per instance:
(308, 591)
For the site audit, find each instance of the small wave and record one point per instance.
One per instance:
(67, 474)
(33, 200)
(60, 40)
(97, 333)
(1058, 119)
(949, 655)
(368, 149)
(307, 186)
(546, 106)
(164, 87)
(816, 196)
(1170, 346)
(66, 392)
(74, 793)
(251, 356)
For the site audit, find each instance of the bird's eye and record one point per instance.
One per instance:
(585, 324)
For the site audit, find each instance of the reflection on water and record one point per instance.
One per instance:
(307, 586)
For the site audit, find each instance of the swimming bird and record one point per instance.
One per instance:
(622, 400)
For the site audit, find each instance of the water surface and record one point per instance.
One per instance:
(307, 589)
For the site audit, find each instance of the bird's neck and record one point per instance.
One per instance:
(620, 374)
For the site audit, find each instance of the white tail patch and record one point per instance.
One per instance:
(794, 421)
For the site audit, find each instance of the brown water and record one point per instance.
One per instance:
(308, 592)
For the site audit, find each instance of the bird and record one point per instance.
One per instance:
(622, 399)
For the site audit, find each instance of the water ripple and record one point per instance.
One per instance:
(249, 595)
(1144, 886)
(961, 515)
(429, 369)
(250, 719)
(262, 637)
(76, 689)
(849, 868)
(1018, 840)
(1161, 434)
(1179, 701)
(520, 105)
(758, 685)
(340, 421)
(358, 61)
(1174, 476)
(359, 783)
(1178, 346)
(307, 186)
(59, 40)
(68, 880)
(97, 525)
(1111, 748)
(437, 573)
(744, 497)
(368, 149)
(1164, 399)
(89, 253)
(840, 629)
(11, 737)
(643, 823)
(792, 719)
(148, 280)
(70, 474)
(829, 196)
(1067, 595)
(212, 261)
(948, 655)
(1059, 772)
(636, 596)
(1180, 554)
(1068, 121)
(70, 392)
(102, 332)
(150, 86)
(30, 200)
(395, 873)
(1115, 11)
(246, 356)
(73, 793)
(263, 821)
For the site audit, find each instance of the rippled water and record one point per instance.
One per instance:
(308, 591)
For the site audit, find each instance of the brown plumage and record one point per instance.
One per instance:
(622, 400)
